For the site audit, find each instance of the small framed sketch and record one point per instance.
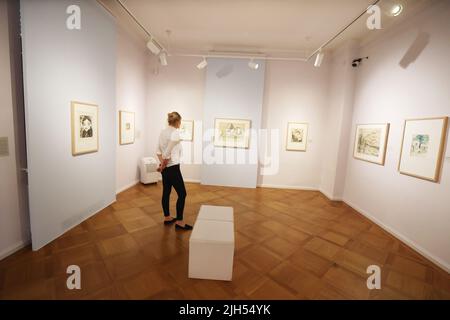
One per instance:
(297, 135)
(423, 148)
(371, 142)
(84, 127)
(126, 127)
(232, 133)
(187, 130)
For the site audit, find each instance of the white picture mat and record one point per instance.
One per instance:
(229, 143)
(296, 146)
(127, 136)
(188, 133)
(84, 145)
(424, 166)
(383, 141)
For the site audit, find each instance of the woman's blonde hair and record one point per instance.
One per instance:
(173, 117)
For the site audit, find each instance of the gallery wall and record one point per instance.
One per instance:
(179, 86)
(296, 92)
(232, 91)
(131, 95)
(13, 222)
(61, 65)
(337, 127)
(415, 210)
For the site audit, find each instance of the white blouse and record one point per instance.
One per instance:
(169, 146)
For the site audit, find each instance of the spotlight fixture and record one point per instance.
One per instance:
(163, 58)
(319, 58)
(202, 64)
(154, 47)
(396, 10)
(253, 65)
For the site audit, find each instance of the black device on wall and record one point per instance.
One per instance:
(357, 62)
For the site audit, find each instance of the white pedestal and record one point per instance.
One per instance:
(148, 171)
(216, 213)
(211, 250)
(151, 177)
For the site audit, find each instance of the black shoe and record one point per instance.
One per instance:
(186, 227)
(168, 222)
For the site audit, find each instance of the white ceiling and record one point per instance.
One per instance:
(271, 27)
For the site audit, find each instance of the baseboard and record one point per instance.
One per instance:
(191, 180)
(442, 264)
(329, 196)
(282, 186)
(127, 186)
(13, 249)
(186, 180)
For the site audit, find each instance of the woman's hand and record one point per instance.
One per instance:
(163, 165)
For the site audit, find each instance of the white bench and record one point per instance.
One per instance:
(215, 213)
(211, 245)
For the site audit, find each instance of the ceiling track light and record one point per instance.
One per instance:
(319, 58)
(154, 47)
(163, 58)
(340, 32)
(396, 10)
(202, 64)
(253, 65)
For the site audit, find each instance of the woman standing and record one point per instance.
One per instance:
(169, 154)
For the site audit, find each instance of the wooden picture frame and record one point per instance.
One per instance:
(84, 127)
(231, 130)
(127, 127)
(370, 142)
(297, 136)
(189, 134)
(422, 148)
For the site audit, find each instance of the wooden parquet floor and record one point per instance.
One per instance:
(290, 244)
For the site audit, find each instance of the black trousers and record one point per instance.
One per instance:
(171, 177)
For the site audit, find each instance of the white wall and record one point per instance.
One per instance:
(292, 90)
(13, 227)
(61, 65)
(337, 127)
(296, 92)
(417, 211)
(131, 95)
(176, 87)
(235, 91)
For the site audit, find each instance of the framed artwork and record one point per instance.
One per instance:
(84, 127)
(126, 127)
(423, 148)
(232, 133)
(187, 130)
(296, 137)
(371, 142)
